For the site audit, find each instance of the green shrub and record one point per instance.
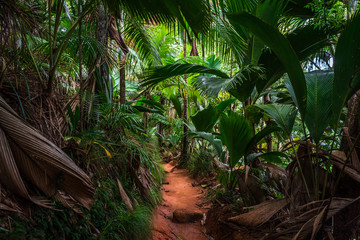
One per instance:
(200, 163)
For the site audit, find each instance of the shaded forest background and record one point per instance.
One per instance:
(260, 95)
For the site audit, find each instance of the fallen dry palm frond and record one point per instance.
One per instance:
(259, 214)
(28, 156)
(338, 158)
(308, 219)
(303, 223)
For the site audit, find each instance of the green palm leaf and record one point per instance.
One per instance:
(281, 47)
(283, 115)
(260, 135)
(271, 157)
(177, 105)
(347, 65)
(137, 33)
(211, 138)
(205, 119)
(195, 14)
(240, 85)
(158, 74)
(236, 133)
(319, 87)
(305, 41)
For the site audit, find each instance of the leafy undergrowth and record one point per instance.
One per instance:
(108, 215)
(108, 218)
(200, 163)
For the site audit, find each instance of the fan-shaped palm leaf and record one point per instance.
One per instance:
(347, 65)
(195, 14)
(305, 41)
(158, 74)
(281, 47)
(283, 115)
(140, 39)
(319, 87)
(38, 160)
(236, 133)
(205, 119)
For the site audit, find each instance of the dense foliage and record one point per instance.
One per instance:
(261, 93)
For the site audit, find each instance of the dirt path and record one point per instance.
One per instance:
(181, 192)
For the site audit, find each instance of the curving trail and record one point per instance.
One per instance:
(179, 192)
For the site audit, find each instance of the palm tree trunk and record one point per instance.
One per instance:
(101, 36)
(185, 144)
(122, 80)
(160, 124)
(81, 91)
(268, 139)
(122, 66)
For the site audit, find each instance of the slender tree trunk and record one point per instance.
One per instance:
(160, 125)
(268, 139)
(122, 66)
(81, 91)
(185, 144)
(51, 59)
(122, 80)
(101, 36)
(146, 114)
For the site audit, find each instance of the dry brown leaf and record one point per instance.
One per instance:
(261, 213)
(40, 161)
(124, 196)
(338, 159)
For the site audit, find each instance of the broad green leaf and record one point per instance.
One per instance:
(318, 107)
(158, 74)
(235, 132)
(347, 65)
(152, 104)
(212, 86)
(271, 157)
(270, 36)
(269, 11)
(283, 115)
(305, 42)
(224, 104)
(177, 104)
(205, 119)
(240, 85)
(242, 91)
(260, 135)
(215, 142)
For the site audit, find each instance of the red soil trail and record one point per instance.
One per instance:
(179, 193)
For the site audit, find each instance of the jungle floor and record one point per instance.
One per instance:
(183, 194)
